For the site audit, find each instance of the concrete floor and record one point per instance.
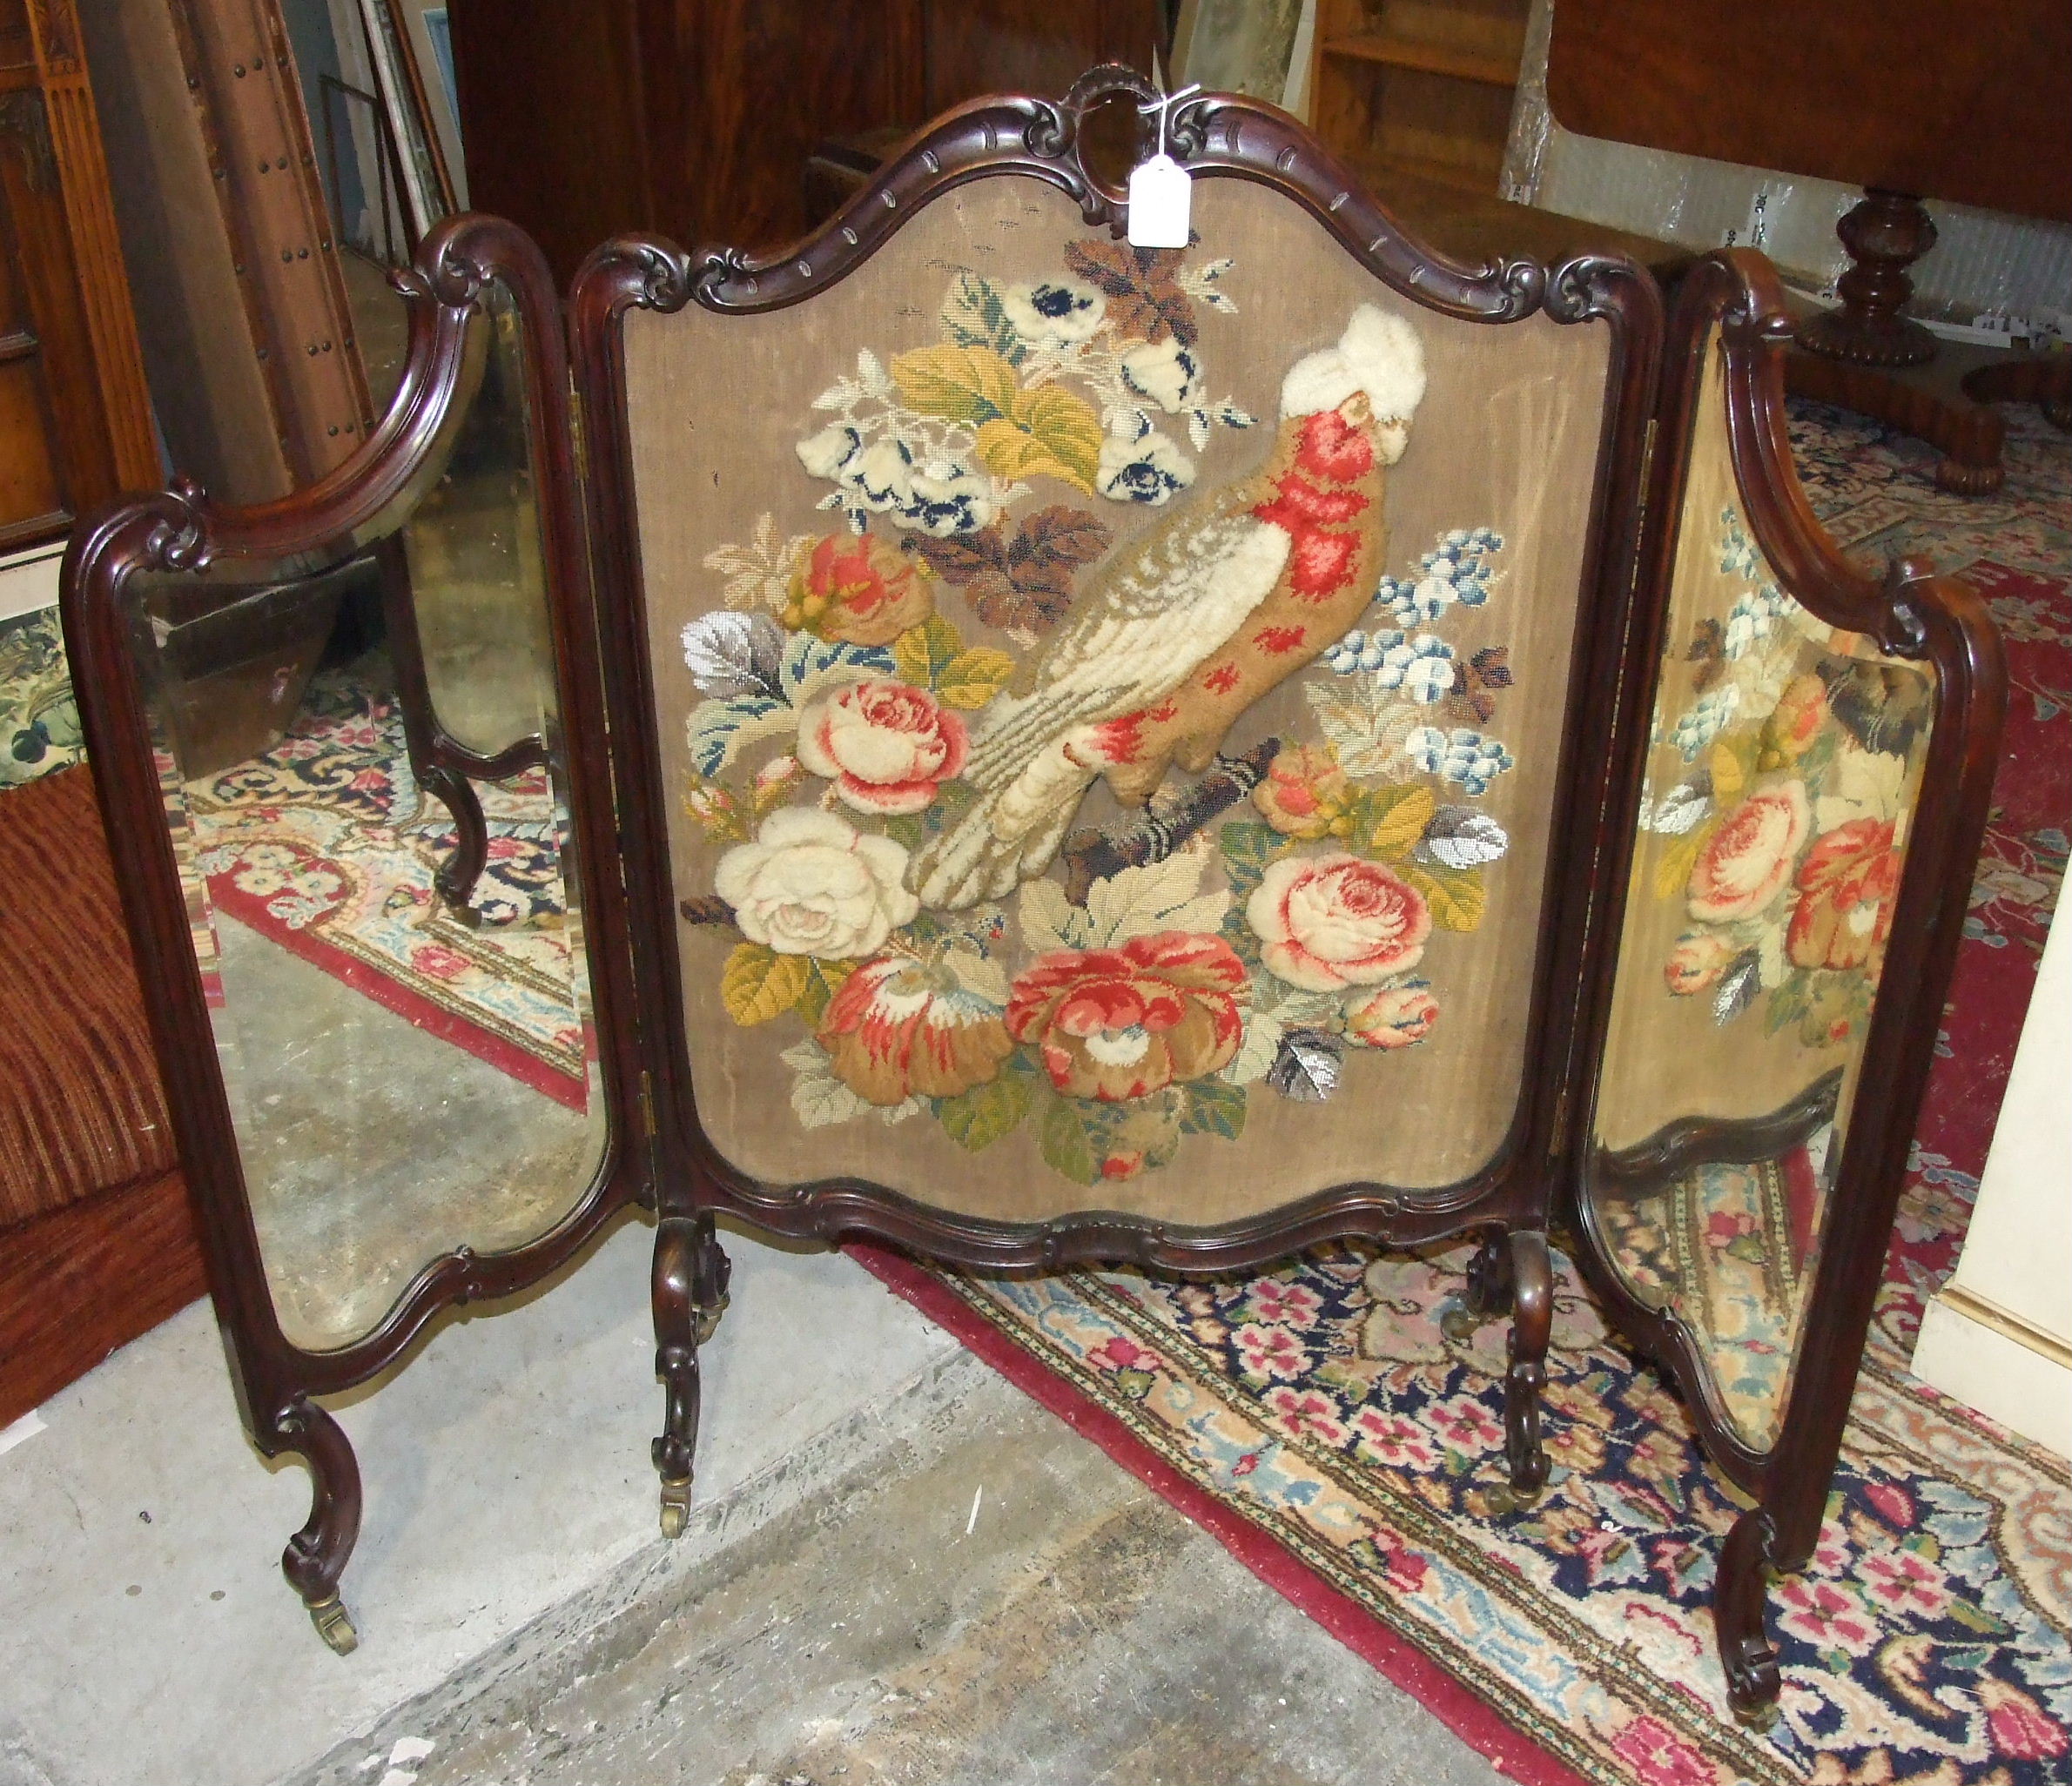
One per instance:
(827, 1617)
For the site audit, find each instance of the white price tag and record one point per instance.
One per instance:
(1161, 200)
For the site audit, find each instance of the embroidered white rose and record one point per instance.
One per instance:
(1328, 922)
(810, 885)
(885, 746)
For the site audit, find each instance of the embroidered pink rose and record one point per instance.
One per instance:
(1696, 963)
(1397, 1017)
(1328, 922)
(1747, 863)
(885, 746)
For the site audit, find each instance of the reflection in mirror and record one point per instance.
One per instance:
(406, 1076)
(1783, 764)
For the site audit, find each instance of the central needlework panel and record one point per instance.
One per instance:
(1110, 703)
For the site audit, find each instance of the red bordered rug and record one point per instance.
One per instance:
(1319, 1422)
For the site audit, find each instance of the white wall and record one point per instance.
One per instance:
(29, 579)
(1999, 1336)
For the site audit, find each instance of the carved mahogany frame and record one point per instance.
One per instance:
(180, 530)
(1734, 299)
(1217, 137)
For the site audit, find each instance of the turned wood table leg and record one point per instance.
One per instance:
(1884, 235)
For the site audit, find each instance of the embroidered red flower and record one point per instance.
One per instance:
(1845, 889)
(863, 591)
(1745, 863)
(1696, 963)
(897, 1026)
(1304, 794)
(1328, 922)
(1397, 1017)
(1117, 1024)
(885, 746)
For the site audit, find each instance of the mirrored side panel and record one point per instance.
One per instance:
(1784, 762)
(408, 1072)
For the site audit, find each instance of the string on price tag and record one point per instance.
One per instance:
(1161, 194)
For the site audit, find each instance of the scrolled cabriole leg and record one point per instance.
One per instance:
(316, 1556)
(456, 876)
(689, 1287)
(715, 1272)
(1487, 1291)
(1532, 1329)
(1740, 1601)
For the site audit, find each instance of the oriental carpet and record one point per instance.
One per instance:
(1319, 1422)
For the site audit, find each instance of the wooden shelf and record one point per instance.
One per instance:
(1427, 59)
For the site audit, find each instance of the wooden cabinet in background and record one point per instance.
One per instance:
(695, 118)
(75, 422)
(1422, 87)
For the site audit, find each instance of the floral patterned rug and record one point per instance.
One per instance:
(326, 845)
(1319, 1422)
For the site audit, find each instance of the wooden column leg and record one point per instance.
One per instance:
(689, 1291)
(316, 1556)
(1532, 1329)
(1740, 1601)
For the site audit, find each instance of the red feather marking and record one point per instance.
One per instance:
(1321, 564)
(1274, 640)
(1220, 680)
(1333, 449)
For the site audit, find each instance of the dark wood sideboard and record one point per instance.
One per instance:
(585, 118)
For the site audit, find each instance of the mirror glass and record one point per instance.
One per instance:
(402, 1016)
(1784, 765)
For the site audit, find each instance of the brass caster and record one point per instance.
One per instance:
(334, 1625)
(1505, 1499)
(707, 1323)
(1458, 1323)
(1758, 1717)
(676, 1507)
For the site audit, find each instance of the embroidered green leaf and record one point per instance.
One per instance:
(969, 385)
(908, 829)
(1456, 896)
(1389, 822)
(1212, 1107)
(758, 983)
(1050, 433)
(978, 1117)
(1680, 856)
(1248, 848)
(824, 979)
(1789, 1003)
(974, 676)
(1733, 761)
(1067, 1145)
(922, 653)
(972, 316)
